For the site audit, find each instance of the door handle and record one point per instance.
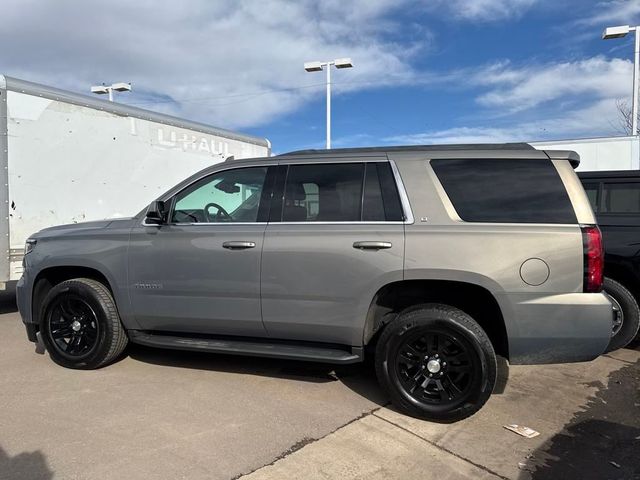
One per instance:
(372, 245)
(238, 245)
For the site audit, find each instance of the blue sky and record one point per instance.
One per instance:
(429, 71)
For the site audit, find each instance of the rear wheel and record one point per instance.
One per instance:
(625, 314)
(436, 363)
(80, 326)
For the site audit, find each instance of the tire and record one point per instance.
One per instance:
(418, 343)
(80, 325)
(626, 314)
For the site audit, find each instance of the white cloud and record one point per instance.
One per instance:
(483, 10)
(516, 89)
(550, 101)
(616, 11)
(598, 119)
(209, 54)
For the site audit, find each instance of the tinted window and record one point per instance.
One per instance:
(505, 191)
(323, 193)
(372, 204)
(228, 196)
(592, 193)
(390, 196)
(620, 198)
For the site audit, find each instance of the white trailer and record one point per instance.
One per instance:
(67, 158)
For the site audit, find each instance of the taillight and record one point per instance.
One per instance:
(593, 258)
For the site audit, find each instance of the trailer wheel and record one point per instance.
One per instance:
(81, 327)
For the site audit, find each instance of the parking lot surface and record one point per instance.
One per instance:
(166, 414)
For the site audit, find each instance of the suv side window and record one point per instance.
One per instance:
(323, 192)
(341, 192)
(227, 196)
(505, 190)
(620, 198)
(592, 190)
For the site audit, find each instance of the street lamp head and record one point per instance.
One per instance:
(313, 66)
(343, 63)
(121, 87)
(615, 32)
(99, 89)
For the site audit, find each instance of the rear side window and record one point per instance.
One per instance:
(341, 192)
(505, 191)
(620, 198)
(323, 193)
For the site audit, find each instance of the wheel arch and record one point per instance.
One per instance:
(473, 299)
(51, 276)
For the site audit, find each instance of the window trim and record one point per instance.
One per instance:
(280, 166)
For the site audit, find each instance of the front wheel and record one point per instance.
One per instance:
(436, 363)
(80, 326)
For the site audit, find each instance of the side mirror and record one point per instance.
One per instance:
(156, 213)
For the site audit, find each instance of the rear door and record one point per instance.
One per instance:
(335, 236)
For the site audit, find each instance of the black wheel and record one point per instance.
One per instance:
(626, 314)
(80, 325)
(436, 363)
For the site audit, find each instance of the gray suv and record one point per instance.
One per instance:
(431, 259)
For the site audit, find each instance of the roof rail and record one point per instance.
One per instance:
(416, 148)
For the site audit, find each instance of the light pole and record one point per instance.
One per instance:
(618, 32)
(317, 67)
(118, 87)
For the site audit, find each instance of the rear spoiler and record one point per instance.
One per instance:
(573, 157)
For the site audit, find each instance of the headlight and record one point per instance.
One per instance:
(30, 245)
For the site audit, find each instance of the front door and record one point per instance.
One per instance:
(200, 272)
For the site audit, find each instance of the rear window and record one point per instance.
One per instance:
(505, 191)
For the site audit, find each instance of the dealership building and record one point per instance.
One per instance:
(604, 153)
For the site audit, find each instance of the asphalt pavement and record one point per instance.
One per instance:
(165, 414)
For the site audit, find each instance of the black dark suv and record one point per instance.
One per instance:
(615, 198)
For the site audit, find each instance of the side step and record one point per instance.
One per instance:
(288, 351)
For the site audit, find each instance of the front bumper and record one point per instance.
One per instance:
(561, 328)
(23, 300)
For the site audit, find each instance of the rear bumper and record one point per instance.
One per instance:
(572, 327)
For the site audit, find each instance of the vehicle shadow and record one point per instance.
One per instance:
(360, 378)
(24, 466)
(602, 441)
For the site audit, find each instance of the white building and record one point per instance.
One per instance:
(604, 153)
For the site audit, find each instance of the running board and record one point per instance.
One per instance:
(288, 351)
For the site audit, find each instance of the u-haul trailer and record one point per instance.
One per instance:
(67, 158)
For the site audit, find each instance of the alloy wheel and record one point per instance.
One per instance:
(73, 326)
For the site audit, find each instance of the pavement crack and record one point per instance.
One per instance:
(439, 447)
(620, 360)
(307, 441)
